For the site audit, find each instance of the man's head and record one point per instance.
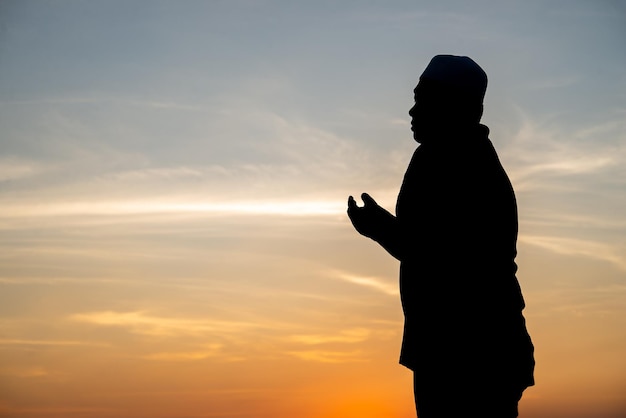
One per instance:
(448, 97)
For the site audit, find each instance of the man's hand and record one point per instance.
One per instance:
(369, 220)
(376, 223)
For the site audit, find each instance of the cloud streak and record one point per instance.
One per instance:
(578, 247)
(140, 322)
(325, 356)
(374, 283)
(27, 342)
(349, 336)
(14, 169)
(543, 155)
(211, 350)
(175, 206)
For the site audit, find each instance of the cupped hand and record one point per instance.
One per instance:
(366, 219)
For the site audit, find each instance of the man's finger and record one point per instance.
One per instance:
(351, 203)
(368, 200)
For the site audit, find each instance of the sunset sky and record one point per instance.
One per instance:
(173, 181)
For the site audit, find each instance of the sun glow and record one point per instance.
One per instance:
(130, 207)
(173, 185)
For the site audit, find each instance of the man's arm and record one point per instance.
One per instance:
(373, 221)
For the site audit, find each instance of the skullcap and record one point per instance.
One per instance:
(457, 72)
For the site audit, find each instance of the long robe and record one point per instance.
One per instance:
(457, 218)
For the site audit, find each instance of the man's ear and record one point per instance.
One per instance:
(469, 112)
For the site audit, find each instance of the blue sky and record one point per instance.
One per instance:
(153, 155)
(247, 101)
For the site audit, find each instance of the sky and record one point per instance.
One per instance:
(173, 182)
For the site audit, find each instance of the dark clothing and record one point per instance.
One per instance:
(448, 398)
(457, 218)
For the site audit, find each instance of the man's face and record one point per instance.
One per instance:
(439, 108)
(428, 112)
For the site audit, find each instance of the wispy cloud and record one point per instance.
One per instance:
(579, 247)
(58, 411)
(293, 168)
(542, 155)
(211, 350)
(55, 281)
(26, 372)
(375, 283)
(158, 173)
(329, 356)
(547, 217)
(593, 299)
(140, 322)
(15, 168)
(176, 206)
(118, 101)
(404, 123)
(27, 342)
(575, 165)
(349, 336)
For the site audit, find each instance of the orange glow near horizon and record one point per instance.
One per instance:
(264, 327)
(174, 178)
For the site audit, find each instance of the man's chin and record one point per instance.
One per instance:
(424, 132)
(417, 137)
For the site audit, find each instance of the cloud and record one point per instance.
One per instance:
(282, 207)
(15, 168)
(328, 356)
(211, 350)
(119, 101)
(579, 247)
(594, 299)
(542, 155)
(26, 342)
(139, 322)
(26, 372)
(576, 221)
(374, 283)
(52, 281)
(349, 336)
(291, 170)
(575, 165)
(290, 167)
(158, 174)
(58, 411)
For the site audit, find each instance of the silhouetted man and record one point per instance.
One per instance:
(455, 234)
